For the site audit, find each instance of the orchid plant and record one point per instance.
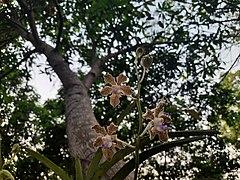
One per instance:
(111, 149)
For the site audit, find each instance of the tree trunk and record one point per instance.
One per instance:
(79, 114)
(80, 120)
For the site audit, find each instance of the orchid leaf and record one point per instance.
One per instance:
(51, 165)
(94, 164)
(78, 169)
(130, 165)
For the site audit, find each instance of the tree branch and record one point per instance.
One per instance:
(30, 18)
(26, 56)
(60, 25)
(16, 24)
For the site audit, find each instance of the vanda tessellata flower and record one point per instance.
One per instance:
(117, 88)
(108, 140)
(158, 121)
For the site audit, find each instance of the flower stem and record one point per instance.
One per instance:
(143, 75)
(1, 159)
(139, 127)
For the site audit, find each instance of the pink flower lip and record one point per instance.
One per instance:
(116, 90)
(107, 145)
(162, 127)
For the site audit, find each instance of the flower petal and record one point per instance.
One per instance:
(152, 133)
(99, 129)
(114, 137)
(160, 106)
(112, 128)
(121, 78)
(148, 114)
(109, 79)
(163, 136)
(167, 118)
(126, 90)
(120, 145)
(108, 152)
(106, 91)
(98, 142)
(114, 99)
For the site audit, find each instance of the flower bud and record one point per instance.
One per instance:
(139, 53)
(146, 61)
(15, 148)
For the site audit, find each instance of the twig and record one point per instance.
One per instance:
(226, 73)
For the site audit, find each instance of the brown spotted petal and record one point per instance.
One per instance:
(98, 142)
(163, 136)
(112, 128)
(121, 79)
(114, 137)
(167, 118)
(106, 91)
(148, 114)
(120, 145)
(109, 79)
(99, 129)
(152, 133)
(114, 99)
(126, 90)
(160, 106)
(108, 152)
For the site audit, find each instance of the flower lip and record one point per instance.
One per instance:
(107, 144)
(116, 89)
(162, 128)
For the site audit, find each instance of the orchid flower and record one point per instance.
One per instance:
(158, 121)
(117, 88)
(108, 140)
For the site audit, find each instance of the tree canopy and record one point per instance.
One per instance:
(185, 38)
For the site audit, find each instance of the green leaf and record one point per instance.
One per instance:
(51, 165)
(129, 166)
(94, 164)
(78, 169)
(104, 167)
(193, 133)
